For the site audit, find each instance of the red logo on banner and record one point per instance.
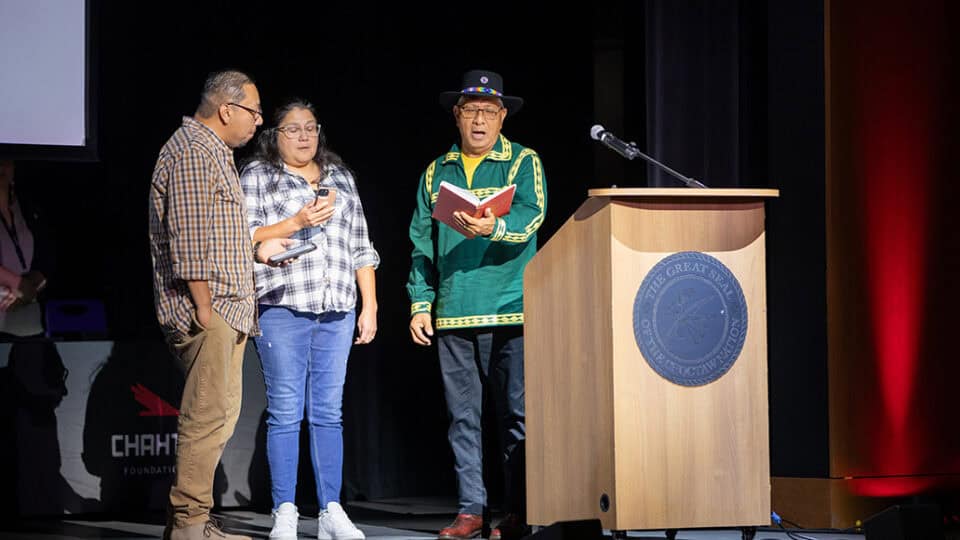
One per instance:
(155, 405)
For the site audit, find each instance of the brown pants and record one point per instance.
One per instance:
(212, 361)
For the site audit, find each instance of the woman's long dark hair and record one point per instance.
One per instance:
(268, 151)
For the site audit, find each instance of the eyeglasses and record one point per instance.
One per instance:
(293, 131)
(256, 114)
(471, 112)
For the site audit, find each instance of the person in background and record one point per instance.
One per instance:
(296, 187)
(203, 261)
(471, 292)
(25, 261)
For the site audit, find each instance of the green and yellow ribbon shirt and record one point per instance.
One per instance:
(476, 282)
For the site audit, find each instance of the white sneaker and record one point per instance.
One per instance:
(285, 522)
(335, 525)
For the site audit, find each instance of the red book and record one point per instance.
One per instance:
(452, 199)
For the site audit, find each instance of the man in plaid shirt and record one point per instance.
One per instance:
(203, 285)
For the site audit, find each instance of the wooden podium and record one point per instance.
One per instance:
(607, 436)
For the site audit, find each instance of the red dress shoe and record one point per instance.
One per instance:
(512, 527)
(465, 526)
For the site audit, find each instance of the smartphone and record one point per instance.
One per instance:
(293, 252)
(327, 193)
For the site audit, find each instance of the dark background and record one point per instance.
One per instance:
(736, 94)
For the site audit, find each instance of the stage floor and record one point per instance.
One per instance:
(391, 519)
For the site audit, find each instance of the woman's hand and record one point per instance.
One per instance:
(314, 213)
(366, 326)
(7, 299)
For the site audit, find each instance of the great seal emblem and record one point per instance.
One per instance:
(690, 318)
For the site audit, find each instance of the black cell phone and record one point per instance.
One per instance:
(293, 252)
(322, 192)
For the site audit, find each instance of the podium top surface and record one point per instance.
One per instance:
(683, 192)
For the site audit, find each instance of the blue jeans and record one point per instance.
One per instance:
(304, 362)
(469, 360)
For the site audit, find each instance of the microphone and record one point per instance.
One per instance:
(598, 133)
(629, 151)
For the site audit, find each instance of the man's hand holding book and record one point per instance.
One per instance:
(466, 213)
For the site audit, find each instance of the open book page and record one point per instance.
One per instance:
(463, 193)
(499, 202)
(452, 199)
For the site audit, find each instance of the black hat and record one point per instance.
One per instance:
(479, 82)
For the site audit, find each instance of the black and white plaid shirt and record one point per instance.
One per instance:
(322, 280)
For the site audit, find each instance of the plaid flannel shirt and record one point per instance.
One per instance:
(198, 231)
(325, 279)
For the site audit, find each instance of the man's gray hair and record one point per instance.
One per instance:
(222, 87)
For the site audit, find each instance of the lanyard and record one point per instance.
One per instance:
(12, 231)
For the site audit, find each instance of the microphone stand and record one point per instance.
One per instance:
(634, 152)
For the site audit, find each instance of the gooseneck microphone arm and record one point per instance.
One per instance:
(630, 151)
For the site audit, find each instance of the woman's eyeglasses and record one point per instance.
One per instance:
(293, 131)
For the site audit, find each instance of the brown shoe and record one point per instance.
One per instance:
(465, 526)
(204, 531)
(511, 528)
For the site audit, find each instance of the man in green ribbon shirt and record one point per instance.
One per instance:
(471, 292)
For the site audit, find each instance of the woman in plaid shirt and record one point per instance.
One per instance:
(307, 309)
